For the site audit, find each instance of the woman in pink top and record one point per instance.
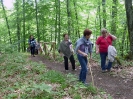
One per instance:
(102, 44)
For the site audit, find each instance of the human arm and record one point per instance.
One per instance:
(97, 49)
(80, 52)
(90, 55)
(113, 37)
(60, 50)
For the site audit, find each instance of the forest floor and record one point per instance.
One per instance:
(118, 83)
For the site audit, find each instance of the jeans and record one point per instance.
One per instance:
(32, 49)
(83, 72)
(103, 62)
(71, 60)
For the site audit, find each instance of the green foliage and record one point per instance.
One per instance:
(92, 89)
(53, 22)
(24, 79)
(54, 77)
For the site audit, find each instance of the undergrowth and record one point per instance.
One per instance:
(24, 79)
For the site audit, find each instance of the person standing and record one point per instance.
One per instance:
(83, 47)
(32, 44)
(66, 50)
(102, 44)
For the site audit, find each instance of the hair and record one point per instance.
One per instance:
(87, 32)
(104, 30)
(30, 36)
(65, 34)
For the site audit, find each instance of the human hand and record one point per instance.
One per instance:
(97, 52)
(85, 55)
(61, 54)
(90, 58)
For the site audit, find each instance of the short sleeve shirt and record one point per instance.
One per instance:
(104, 43)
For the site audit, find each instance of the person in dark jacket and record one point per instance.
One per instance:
(32, 44)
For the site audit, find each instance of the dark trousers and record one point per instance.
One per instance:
(103, 62)
(32, 50)
(71, 60)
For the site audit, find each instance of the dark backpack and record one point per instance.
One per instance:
(32, 43)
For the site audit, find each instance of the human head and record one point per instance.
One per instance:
(66, 37)
(104, 32)
(31, 37)
(87, 33)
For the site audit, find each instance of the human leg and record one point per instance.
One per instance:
(66, 62)
(83, 71)
(109, 65)
(72, 62)
(31, 50)
(103, 60)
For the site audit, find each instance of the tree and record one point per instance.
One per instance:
(77, 23)
(129, 15)
(104, 12)
(18, 23)
(114, 16)
(37, 23)
(24, 24)
(69, 17)
(6, 21)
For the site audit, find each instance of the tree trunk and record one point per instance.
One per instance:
(18, 24)
(114, 17)
(123, 45)
(56, 18)
(104, 13)
(69, 17)
(99, 11)
(24, 25)
(129, 14)
(59, 29)
(77, 25)
(37, 23)
(6, 21)
(87, 19)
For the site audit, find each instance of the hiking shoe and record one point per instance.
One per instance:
(66, 70)
(103, 71)
(86, 84)
(108, 70)
(74, 69)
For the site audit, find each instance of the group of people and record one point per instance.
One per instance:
(84, 48)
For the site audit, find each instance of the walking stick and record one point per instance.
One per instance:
(90, 72)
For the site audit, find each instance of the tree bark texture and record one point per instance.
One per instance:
(129, 14)
(24, 25)
(37, 23)
(104, 12)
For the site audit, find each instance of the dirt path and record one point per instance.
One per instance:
(117, 87)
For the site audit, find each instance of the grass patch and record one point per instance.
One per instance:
(24, 79)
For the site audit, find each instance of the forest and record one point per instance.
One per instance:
(47, 21)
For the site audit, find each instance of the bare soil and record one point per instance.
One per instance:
(117, 86)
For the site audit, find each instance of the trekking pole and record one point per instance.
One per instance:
(91, 72)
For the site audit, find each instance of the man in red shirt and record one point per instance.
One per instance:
(102, 44)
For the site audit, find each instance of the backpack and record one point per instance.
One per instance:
(32, 43)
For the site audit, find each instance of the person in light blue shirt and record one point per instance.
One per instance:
(83, 47)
